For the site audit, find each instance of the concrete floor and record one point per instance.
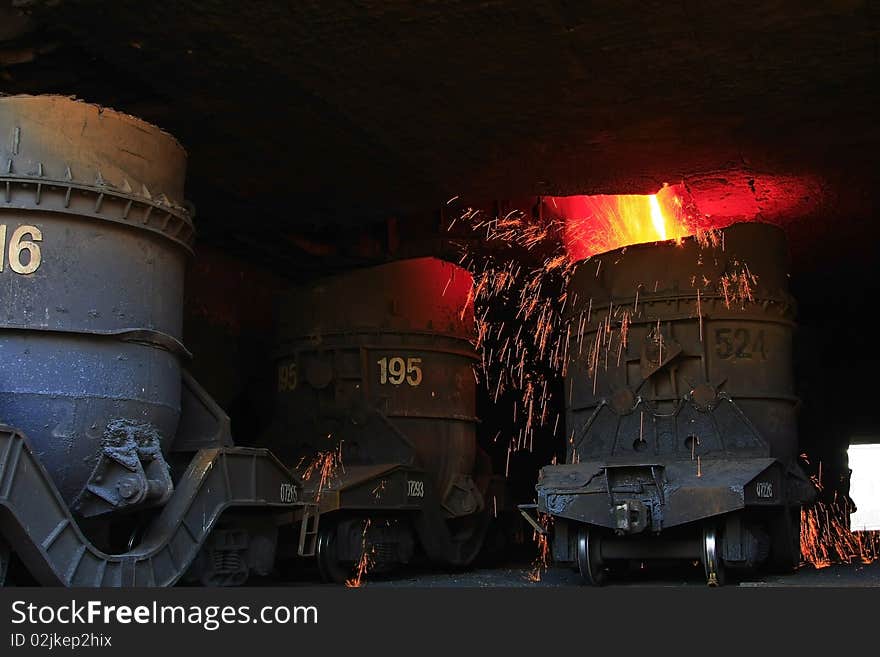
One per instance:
(516, 575)
(843, 575)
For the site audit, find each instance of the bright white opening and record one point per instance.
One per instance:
(864, 488)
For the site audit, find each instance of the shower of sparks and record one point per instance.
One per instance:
(522, 353)
(737, 287)
(542, 540)
(524, 335)
(324, 466)
(379, 489)
(363, 564)
(826, 538)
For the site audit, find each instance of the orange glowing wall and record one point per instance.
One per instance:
(603, 222)
(598, 223)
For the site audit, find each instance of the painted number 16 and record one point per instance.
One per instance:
(18, 245)
(395, 371)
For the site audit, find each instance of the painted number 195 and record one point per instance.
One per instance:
(23, 239)
(287, 378)
(396, 370)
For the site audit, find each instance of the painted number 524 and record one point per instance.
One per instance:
(395, 371)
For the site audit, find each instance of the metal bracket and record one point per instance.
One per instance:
(524, 511)
(308, 530)
(110, 204)
(33, 515)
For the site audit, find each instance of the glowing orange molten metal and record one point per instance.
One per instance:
(603, 222)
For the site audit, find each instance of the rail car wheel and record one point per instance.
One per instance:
(712, 560)
(589, 557)
(331, 569)
(468, 534)
(785, 540)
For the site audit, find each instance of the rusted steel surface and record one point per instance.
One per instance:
(73, 157)
(94, 239)
(678, 341)
(377, 363)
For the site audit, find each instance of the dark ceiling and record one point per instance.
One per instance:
(299, 116)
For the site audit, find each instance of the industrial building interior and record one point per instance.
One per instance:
(326, 137)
